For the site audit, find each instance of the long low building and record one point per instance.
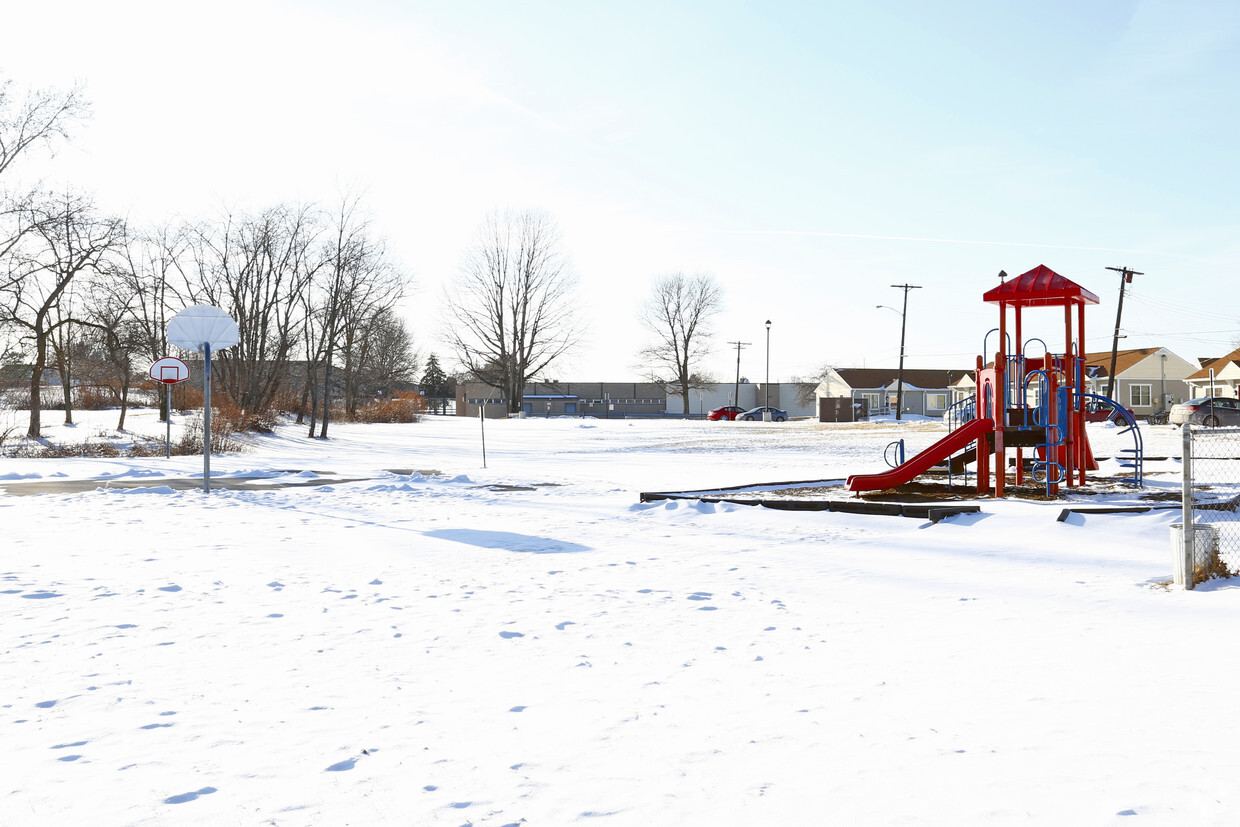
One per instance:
(633, 399)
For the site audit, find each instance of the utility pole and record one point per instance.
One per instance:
(900, 372)
(1127, 275)
(736, 398)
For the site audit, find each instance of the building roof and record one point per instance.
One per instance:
(1099, 364)
(1040, 287)
(1217, 365)
(858, 378)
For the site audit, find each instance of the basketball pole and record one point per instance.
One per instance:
(168, 420)
(206, 417)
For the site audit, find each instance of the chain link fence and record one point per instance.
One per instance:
(1211, 496)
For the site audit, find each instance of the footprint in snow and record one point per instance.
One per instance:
(341, 766)
(184, 797)
(509, 635)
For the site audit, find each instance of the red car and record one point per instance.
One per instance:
(728, 412)
(1098, 411)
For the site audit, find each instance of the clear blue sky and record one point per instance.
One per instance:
(809, 155)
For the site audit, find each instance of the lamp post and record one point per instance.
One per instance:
(766, 385)
(1162, 383)
(900, 371)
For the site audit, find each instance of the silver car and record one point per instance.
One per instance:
(1210, 411)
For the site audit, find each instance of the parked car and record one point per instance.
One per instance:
(1097, 411)
(727, 412)
(755, 414)
(1208, 411)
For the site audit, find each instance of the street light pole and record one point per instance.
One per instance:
(1162, 383)
(766, 385)
(900, 372)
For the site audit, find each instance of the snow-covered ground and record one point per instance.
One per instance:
(419, 640)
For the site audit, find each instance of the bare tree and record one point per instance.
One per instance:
(356, 287)
(68, 238)
(807, 386)
(43, 116)
(384, 355)
(148, 287)
(115, 337)
(678, 314)
(511, 311)
(256, 269)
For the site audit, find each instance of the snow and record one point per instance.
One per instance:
(377, 629)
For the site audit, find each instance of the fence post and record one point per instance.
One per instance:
(1188, 521)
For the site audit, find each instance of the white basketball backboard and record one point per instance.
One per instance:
(169, 370)
(201, 325)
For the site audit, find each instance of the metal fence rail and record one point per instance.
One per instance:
(1211, 499)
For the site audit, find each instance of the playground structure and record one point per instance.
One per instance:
(1024, 401)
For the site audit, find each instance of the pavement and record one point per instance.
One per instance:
(23, 489)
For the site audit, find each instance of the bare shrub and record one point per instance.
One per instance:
(224, 436)
(94, 398)
(186, 397)
(1212, 568)
(403, 407)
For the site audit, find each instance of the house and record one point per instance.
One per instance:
(927, 392)
(1148, 380)
(1216, 377)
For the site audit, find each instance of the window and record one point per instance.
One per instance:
(936, 401)
(871, 401)
(1139, 396)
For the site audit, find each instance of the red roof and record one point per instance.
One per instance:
(1040, 287)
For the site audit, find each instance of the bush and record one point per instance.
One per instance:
(224, 435)
(187, 397)
(94, 398)
(403, 407)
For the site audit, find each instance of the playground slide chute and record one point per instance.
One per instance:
(919, 464)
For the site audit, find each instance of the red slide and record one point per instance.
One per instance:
(922, 462)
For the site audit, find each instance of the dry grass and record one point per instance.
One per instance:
(1213, 568)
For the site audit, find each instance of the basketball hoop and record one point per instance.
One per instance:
(169, 370)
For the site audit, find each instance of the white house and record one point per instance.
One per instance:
(1148, 380)
(1217, 377)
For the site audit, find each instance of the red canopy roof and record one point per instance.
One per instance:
(1040, 287)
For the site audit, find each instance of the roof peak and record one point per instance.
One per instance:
(1039, 287)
